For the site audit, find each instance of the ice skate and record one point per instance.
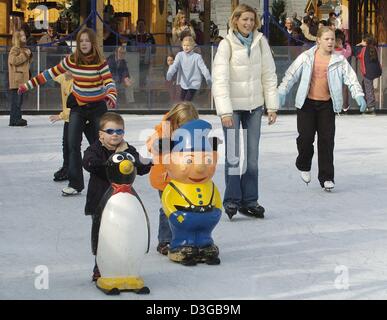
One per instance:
(328, 186)
(254, 212)
(306, 177)
(231, 210)
(69, 191)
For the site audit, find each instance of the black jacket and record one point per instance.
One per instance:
(94, 160)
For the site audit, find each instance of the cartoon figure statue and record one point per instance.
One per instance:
(191, 201)
(124, 232)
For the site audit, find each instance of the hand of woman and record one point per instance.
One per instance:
(54, 118)
(227, 122)
(272, 117)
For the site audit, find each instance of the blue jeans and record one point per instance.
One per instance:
(242, 186)
(165, 234)
(16, 103)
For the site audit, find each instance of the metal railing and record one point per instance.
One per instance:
(148, 89)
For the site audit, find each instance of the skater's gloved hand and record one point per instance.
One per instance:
(282, 99)
(22, 89)
(362, 103)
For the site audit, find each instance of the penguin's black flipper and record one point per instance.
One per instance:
(146, 217)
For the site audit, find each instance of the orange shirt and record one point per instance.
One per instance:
(319, 89)
(158, 175)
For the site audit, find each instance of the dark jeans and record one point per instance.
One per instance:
(187, 95)
(77, 125)
(16, 103)
(316, 116)
(65, 145)
(165, 233)
(242, 185)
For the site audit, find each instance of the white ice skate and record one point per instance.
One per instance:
(328, 186)
(306, 176)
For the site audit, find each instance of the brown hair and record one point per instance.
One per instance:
(111, 117)
(371, 45)
(181, 113)
(238, 11)
(16, 42)
(81, 59)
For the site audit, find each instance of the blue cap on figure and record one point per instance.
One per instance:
(193, 136)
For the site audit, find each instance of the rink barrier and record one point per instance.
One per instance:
(150, 91)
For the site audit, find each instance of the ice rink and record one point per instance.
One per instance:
(311, 245)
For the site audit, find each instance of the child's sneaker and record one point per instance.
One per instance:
(163, 248)
(69, 191)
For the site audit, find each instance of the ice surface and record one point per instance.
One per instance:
(293, 253)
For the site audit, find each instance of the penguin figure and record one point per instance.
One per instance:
(124, 232)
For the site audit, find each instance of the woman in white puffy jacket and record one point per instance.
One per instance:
(244, 80)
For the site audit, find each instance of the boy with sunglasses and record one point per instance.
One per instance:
(111, 140)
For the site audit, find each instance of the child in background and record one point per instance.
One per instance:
(343, 48)
(366, 52)
(66, 82)
(189, 67)
(173, 88)
(111, 140)
(19, 60)
(179, 114)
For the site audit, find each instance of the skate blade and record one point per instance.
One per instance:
(328, 189)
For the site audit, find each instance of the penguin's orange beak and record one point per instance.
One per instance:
(126, 167)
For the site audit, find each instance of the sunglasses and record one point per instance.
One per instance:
(112, 131)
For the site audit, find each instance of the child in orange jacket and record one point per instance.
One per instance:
(179, 114)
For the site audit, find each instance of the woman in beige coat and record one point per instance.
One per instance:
(19, 60)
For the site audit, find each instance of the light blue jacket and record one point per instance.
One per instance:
(339, 72)
(189, 67)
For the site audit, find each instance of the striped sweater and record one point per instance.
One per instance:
(92, 83)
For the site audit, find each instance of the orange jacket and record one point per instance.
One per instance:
(158, 175)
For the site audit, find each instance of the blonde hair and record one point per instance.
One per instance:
(238, 11)
(323, 30)
(79, 58)
(16, 39)
(181, 113)
(176, 22)
(188, 39)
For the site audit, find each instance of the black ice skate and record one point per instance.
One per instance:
(231, 210)
(254, 212)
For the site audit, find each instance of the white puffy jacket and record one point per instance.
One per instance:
(241, 82)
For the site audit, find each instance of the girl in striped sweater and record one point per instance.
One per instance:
(93, 90)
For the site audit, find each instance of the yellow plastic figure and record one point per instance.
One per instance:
(191, 201)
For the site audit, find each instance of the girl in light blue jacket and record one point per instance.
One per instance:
(190, 67)
(319, 97)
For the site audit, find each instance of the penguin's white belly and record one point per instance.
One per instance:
(123, 237)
